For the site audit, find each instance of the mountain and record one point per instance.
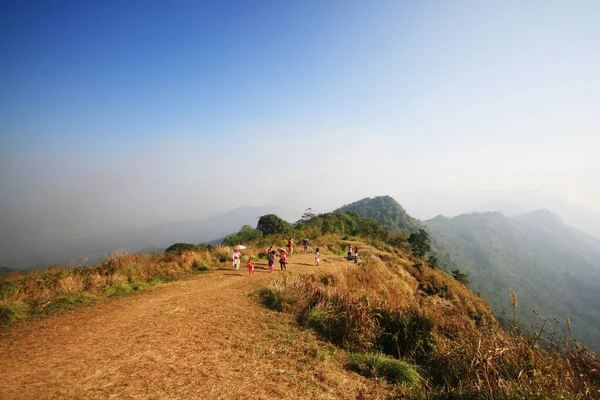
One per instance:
(429, 203)
(384, 210)
(554, 268)
(89, 250)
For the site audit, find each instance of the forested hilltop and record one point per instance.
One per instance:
(386, 211)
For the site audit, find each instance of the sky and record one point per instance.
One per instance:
(116, 115)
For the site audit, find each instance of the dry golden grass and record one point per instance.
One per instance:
(468, 353)
(203, 337)
(207, 337)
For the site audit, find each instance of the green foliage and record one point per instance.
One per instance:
(420, 243)
(346, 224)
(179, 248)
(271, 224)
(406, 335)
(433, 262)
(383, 366)
(14, 312)
(198, 266)
(246, 234)
(554, 268)
(308, 214)
(459, 276)
(273, 298)
(384, 210)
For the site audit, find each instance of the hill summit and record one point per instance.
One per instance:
(385, 210)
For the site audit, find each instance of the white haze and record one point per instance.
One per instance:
(487, 102)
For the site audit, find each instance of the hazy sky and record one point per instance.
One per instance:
(115, 114)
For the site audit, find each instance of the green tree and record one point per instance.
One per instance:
(459, 276)
(308, 214)
(420, 243)
(245, 234)
(432, 260)
(271, 224)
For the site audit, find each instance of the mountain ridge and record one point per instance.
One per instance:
(552, 266)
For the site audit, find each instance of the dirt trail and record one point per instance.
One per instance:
(203, 338)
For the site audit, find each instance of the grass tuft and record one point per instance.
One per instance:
(382, 366)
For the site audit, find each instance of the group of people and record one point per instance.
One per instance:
(271, 259)
(271, 254)
(355, 256)
(283, 256)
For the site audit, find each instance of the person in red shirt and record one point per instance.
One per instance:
(250, 268)
(290, 246)
(283, 261)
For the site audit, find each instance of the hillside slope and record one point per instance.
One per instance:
(554, 268)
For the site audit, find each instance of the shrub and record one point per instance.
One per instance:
(198, 266)
(179, 248)
(406, 334)
(271, 298)
(381, 365)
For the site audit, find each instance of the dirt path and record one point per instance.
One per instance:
(203, 338)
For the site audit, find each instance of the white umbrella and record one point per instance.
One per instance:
(239, 247)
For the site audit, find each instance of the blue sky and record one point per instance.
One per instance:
(120, 114)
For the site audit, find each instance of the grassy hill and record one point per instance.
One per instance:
(554, 269)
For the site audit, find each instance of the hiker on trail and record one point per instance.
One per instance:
(283, 261)
(290, 246)
(250, 268)
(355, 255)
(317, 256)
(349, 252)
(236, 259)
(271, 259)
(305, 244)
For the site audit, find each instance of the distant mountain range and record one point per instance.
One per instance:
(92, 249)
(554, 268)
(430, 203)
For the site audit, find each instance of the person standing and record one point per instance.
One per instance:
(290, 247)
(250, 268)
(317, 256)
(283, 262)
(305, 244)
(271, 259)
(236, 259)
(356, 255)
(349, 257)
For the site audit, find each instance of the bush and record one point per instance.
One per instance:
(14, 312)
(380, 365)
(179, 248)
(198, 266)
(406, 334)
(271, 298)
